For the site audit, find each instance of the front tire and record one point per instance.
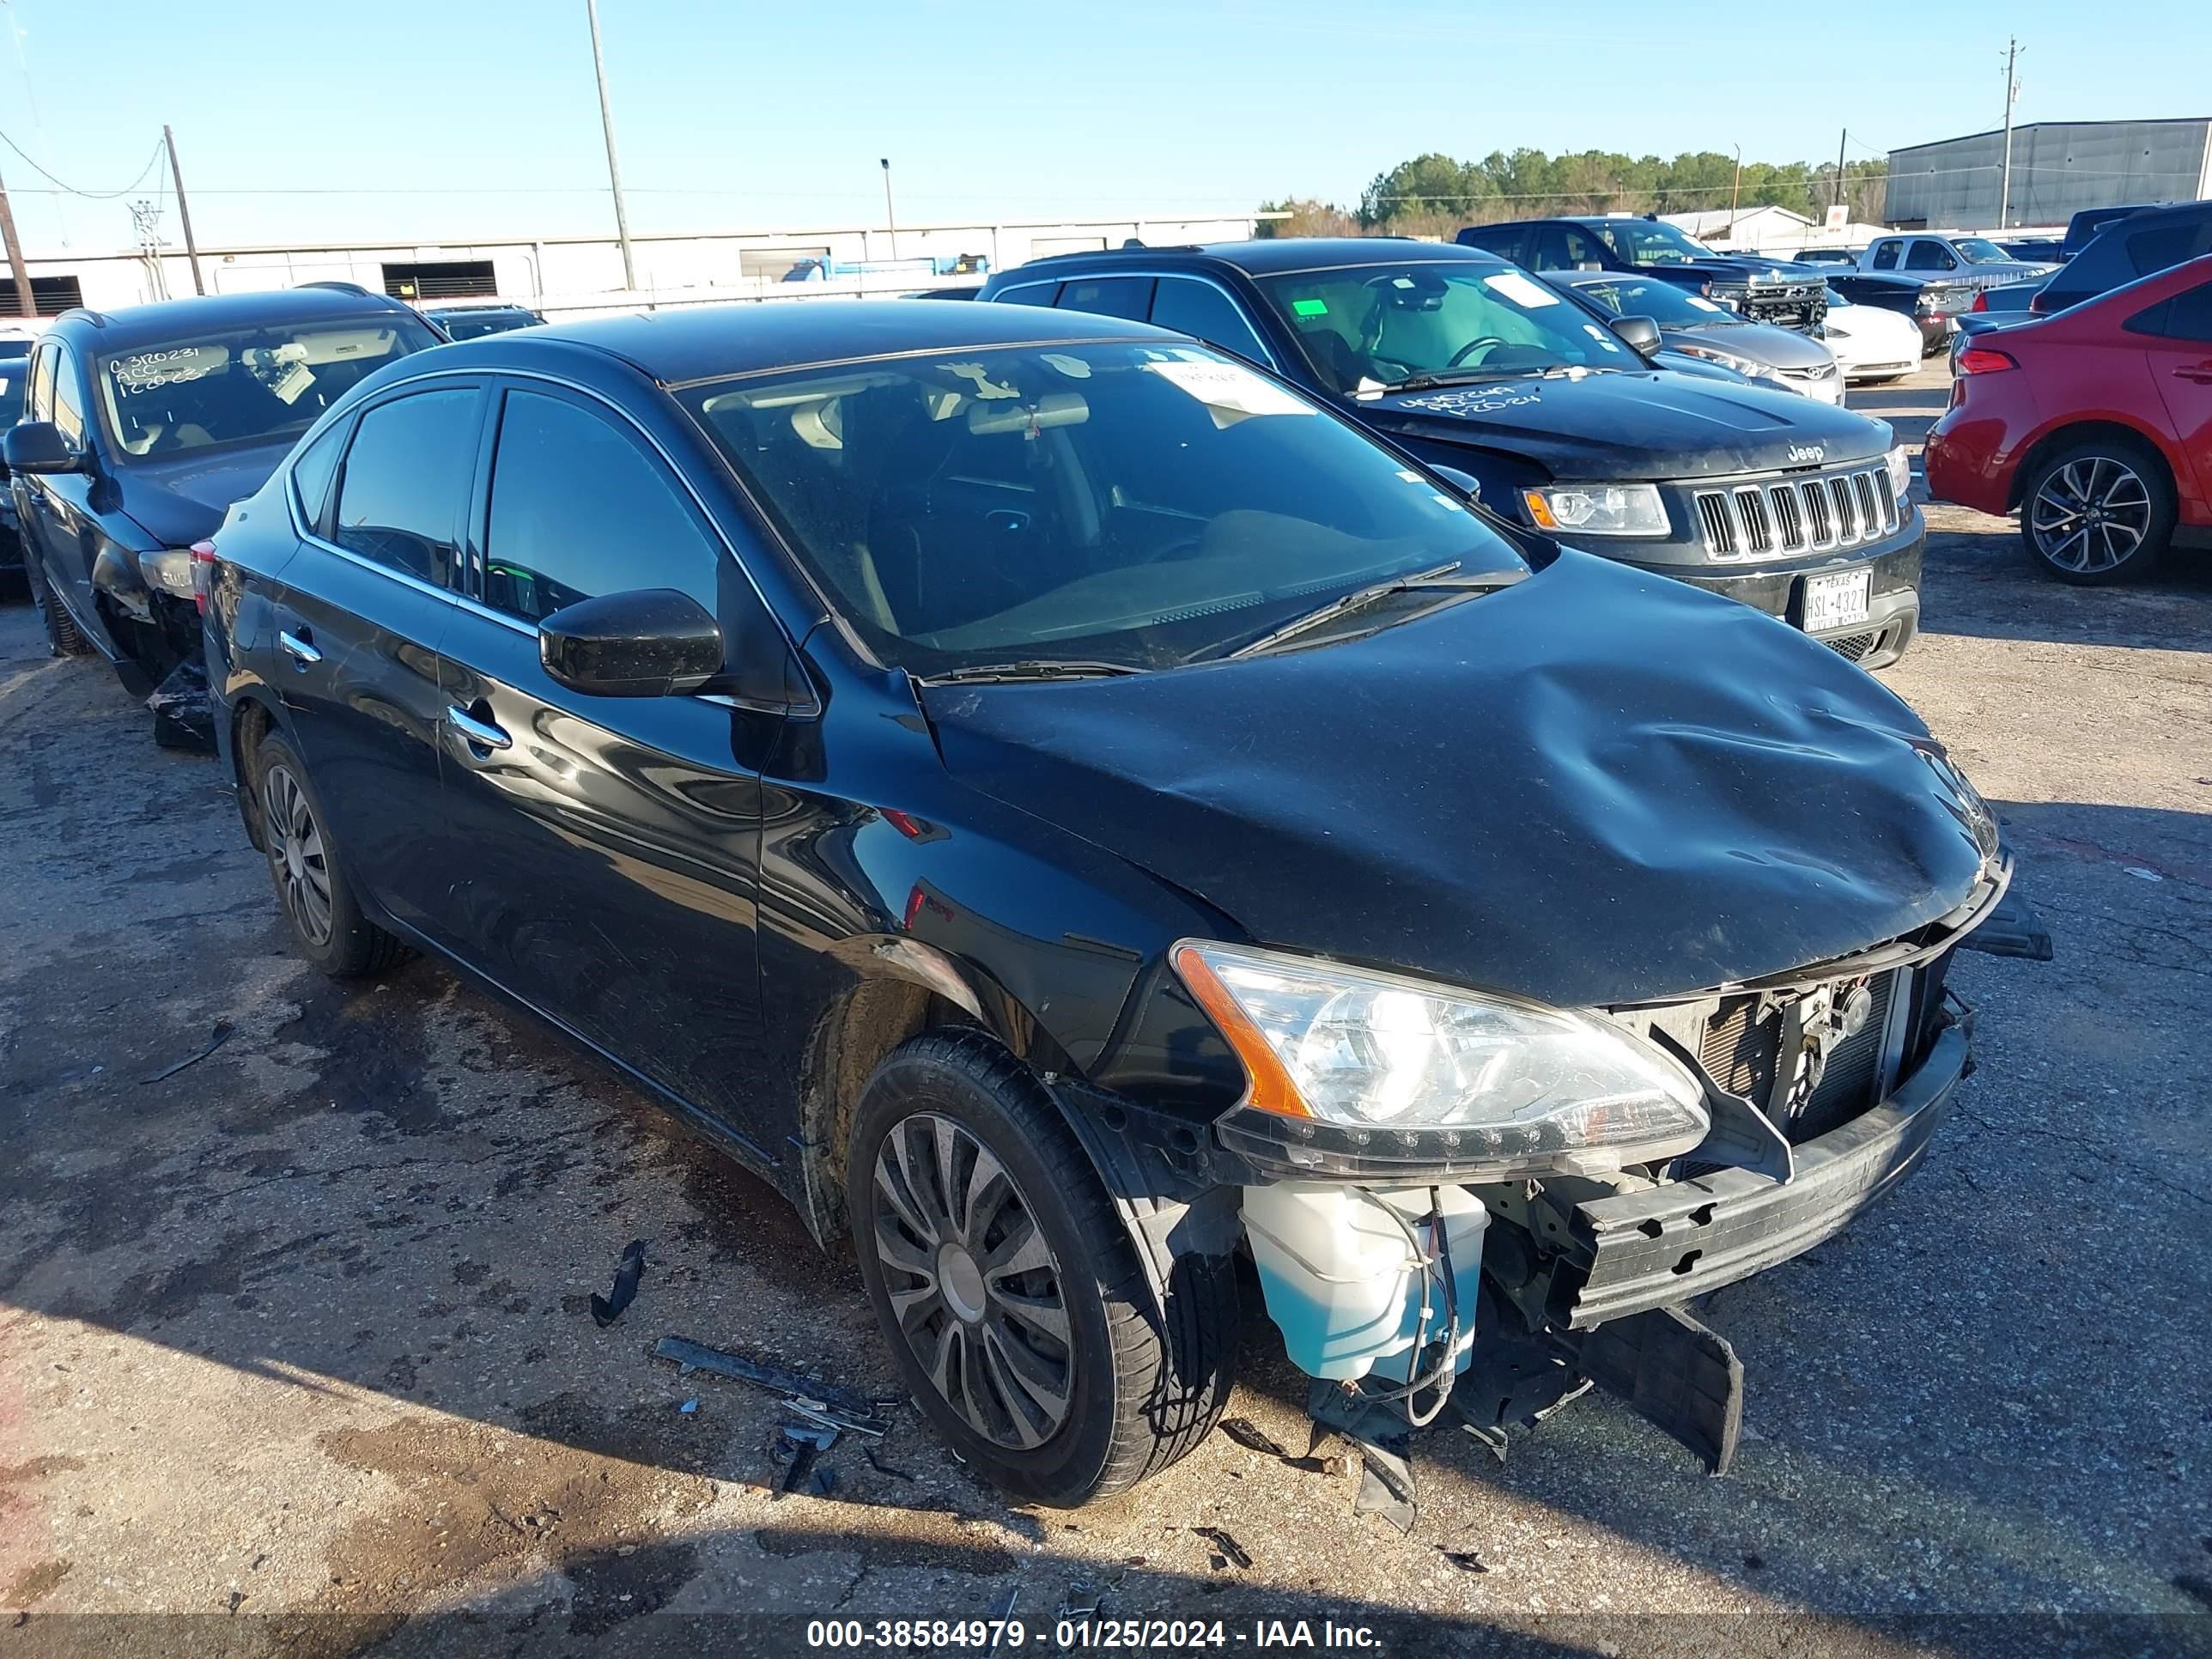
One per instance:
(63, 637)
(2097, 512)
(313, 888)
(1008, 1289)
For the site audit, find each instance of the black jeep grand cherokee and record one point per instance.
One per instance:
(1795, 507)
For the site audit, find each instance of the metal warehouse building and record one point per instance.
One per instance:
(2059, 167)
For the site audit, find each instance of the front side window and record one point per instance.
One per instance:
(406, 481)
(42, 383)
(243, 386)
(1140, 504)
(1367, 328)
(1201, 310)
(1929, 255)
(1652, 242)
(69, 408)
(13, 381)
(1980, 251)
(579, 510)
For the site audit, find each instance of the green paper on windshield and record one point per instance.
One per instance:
(1311, 308)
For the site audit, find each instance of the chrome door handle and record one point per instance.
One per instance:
(481, 733)
(2202, 373)
(300, 650)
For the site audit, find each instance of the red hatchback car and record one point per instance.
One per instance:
(2095, 424)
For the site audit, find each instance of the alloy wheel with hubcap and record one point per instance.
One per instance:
(973, 1282)
(296, 854)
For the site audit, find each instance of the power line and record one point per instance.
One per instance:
(152, 161)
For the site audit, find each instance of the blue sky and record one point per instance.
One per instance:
(478, 117)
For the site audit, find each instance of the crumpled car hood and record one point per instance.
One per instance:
(1597, 786)
(179, 500)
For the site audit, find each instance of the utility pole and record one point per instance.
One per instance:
(1836, 195)
(2013, 50)
(614, 168)
(24, 302)
(184, 212)
(890, 215)
(1735, 189)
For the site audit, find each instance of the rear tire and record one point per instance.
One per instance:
(1058, 1380)
(2097, 512)
(313, 889)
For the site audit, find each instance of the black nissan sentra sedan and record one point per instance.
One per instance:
(1064, 807)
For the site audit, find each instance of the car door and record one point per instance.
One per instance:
(2177, 334)
(605, 849)
(359, 613)
(56, 508)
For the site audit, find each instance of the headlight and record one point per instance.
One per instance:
(1900, 471)
(1743, 365)
(1505, 1085)
(1599, 509)
(168, 571)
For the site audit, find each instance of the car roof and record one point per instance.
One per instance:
(1269, 256)
(711, 342)
(134, 326)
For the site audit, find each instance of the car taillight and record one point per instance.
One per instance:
(202, 575)
(1981, 301)
(1984, 360)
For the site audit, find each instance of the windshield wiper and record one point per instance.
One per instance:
(1457, 377)
(1361, 597)
(1034, 669)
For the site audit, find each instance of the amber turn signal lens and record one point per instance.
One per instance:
(1271, 1089)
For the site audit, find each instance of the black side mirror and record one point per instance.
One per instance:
(1640, 332)
(648, 642)
(1466, 483)
(38, 446)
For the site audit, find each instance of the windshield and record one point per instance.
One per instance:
(1133, 505)
(1976, 251)
(1661, 301)
(1650, 242)
(257, 386)
(1367, 327)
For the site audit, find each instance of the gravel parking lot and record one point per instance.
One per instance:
(295, 1340)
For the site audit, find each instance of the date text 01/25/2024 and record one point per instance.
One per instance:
(939, 1635)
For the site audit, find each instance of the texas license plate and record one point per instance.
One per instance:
(1836, 600)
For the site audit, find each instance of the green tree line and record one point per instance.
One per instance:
(1436, 194)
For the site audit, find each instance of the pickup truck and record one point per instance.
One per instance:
(1759, 289)
(1975, 261)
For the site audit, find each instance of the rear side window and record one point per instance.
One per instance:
(1505, 241)
(1109, 296)
(406, 480)
(577, 509)
(1930, 256)
(313, 473)
(2186, 316)
(2162, 249)
(1884, 257)
(1028, 293)
(1203, 311)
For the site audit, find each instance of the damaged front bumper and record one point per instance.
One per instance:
(1643, 1250)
